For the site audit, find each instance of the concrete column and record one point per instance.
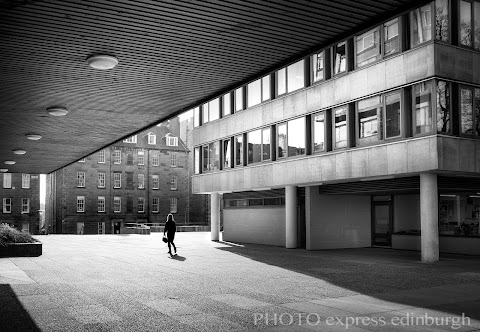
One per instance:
(215, 216)
(308, 224)
(290, 217)
(429, 217)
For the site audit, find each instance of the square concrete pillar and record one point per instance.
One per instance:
(429, 218)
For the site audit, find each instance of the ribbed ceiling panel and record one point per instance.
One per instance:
(173, 55)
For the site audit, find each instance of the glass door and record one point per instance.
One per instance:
(382, 223)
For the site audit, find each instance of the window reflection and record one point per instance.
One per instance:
(205, 113)
(239, 150)
(266, 155)
(214, 154)
(197, 160)
(319, 132)
(296, 76)
(227, 152)
(205, 164)
(423, 107)
(340, 133)
(476, 25)
(392, 115)
(443, 107)
(214, 109)
(368, 47)
(318, 67)
(196, 116)
(254, 141)
(238, 99)
(282, 140)
(368, 114)
(441, 20)
(296, 137)
(459, 214)
(266, 95)
(254, 93)
(421, 24)
(227, 104)
(392, 40)
(465, 24)
(340, 58)
(281, 76)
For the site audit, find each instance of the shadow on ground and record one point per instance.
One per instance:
(13, 316)
(386, 274)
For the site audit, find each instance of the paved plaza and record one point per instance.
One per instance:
(129, 283)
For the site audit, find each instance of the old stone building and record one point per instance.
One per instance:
(136, 181)
(20, 196)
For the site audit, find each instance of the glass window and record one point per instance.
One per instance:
(441, 20)
(141, 181)
(25, 181)
(117, 156)
(155, 158)
(101, 203)
(254, 146)
(465, 24)
(152, 138)
(101, 156)
(254, 93)
(173, 205)
(7, 205)
(140, 157)
(214, 109)
(391, 40)
(117, 204)
(239, 99)
(423, 122)
(368, 47)
(197, 160)
(239, 150)
(140, 204)
(340, 130)
(266, 154)
(155, 182)
(80, 179)
(171, 140)
(173, 159)
(296, 137)
(319, 132)
(205, 163)
(214, 155)
(281, 80)
(101, 180)
(318, 66)
(477, 111)
(80, 203)
(466, 109)
(174, 183)
(155, 205)
(368, 111)
(459, 214)
(131, 139)
(392, 115)
(443, 107)
(196, 116)
(227, 104)
(129, 158)
(421, 24)
(340, 58)
(205, 113)
(7, 180)
(476, 25)
(282, 140)
(296, 76)
(266, 88)
(227, 154)
(25, 205)
(117, 180)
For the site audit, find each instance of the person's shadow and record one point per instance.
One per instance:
(178, 258)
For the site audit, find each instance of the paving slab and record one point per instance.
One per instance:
(129, 283)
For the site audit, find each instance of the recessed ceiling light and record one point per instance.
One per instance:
(57, 111)
(33, 137)
(9, 162)
(3, 170)
(102, 61)
(19, 151)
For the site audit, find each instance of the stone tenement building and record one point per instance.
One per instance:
(20, 195)
(138, 180)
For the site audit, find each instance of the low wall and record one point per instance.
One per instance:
(192, 228)
(21, 250)
(448, 244)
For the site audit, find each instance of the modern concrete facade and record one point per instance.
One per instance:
(372, 141)
(20, 197)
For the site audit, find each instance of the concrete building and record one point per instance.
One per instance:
(136, 181)
(372, 140)
(20, 197)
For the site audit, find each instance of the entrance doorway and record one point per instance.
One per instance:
(382, 221)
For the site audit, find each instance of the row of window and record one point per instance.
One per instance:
(117, 157)
(117, 180)
(151, 139)
(117, 204)
(376, 44)
(7, 181)
(246, 202)
(7, 205)
(416, 110)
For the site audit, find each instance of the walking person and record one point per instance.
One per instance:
(170, 229)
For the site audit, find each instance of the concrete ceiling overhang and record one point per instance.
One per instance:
(172, 55)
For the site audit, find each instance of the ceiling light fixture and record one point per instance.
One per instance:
(57, 111)
(33, 137)
(3, 170)
(19, 151)
(9, 162)
(102, 61)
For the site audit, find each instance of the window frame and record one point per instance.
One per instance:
(140, 157)
(26, 181)
(173, 205)
(25, 205)
(7, 205)
(155, 205)
(171, 140)
(141, 181)
(324, 149)
(80, 204)
(285, 70)
(379, 107)
(117, 203)
(155, 158)
(334, 127)
(81, 179)
(131, 139)
(101, 203)
(7, 180)
(155, 181)
(101, 156)
(314, 66)
(100, 180)
(141, 203)
(475, 93)
(334, 53)
(117, 156)
(151, 139)
(173, 159)
(117, 182)
(174, 183)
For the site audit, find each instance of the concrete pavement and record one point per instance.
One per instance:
(129, 283)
